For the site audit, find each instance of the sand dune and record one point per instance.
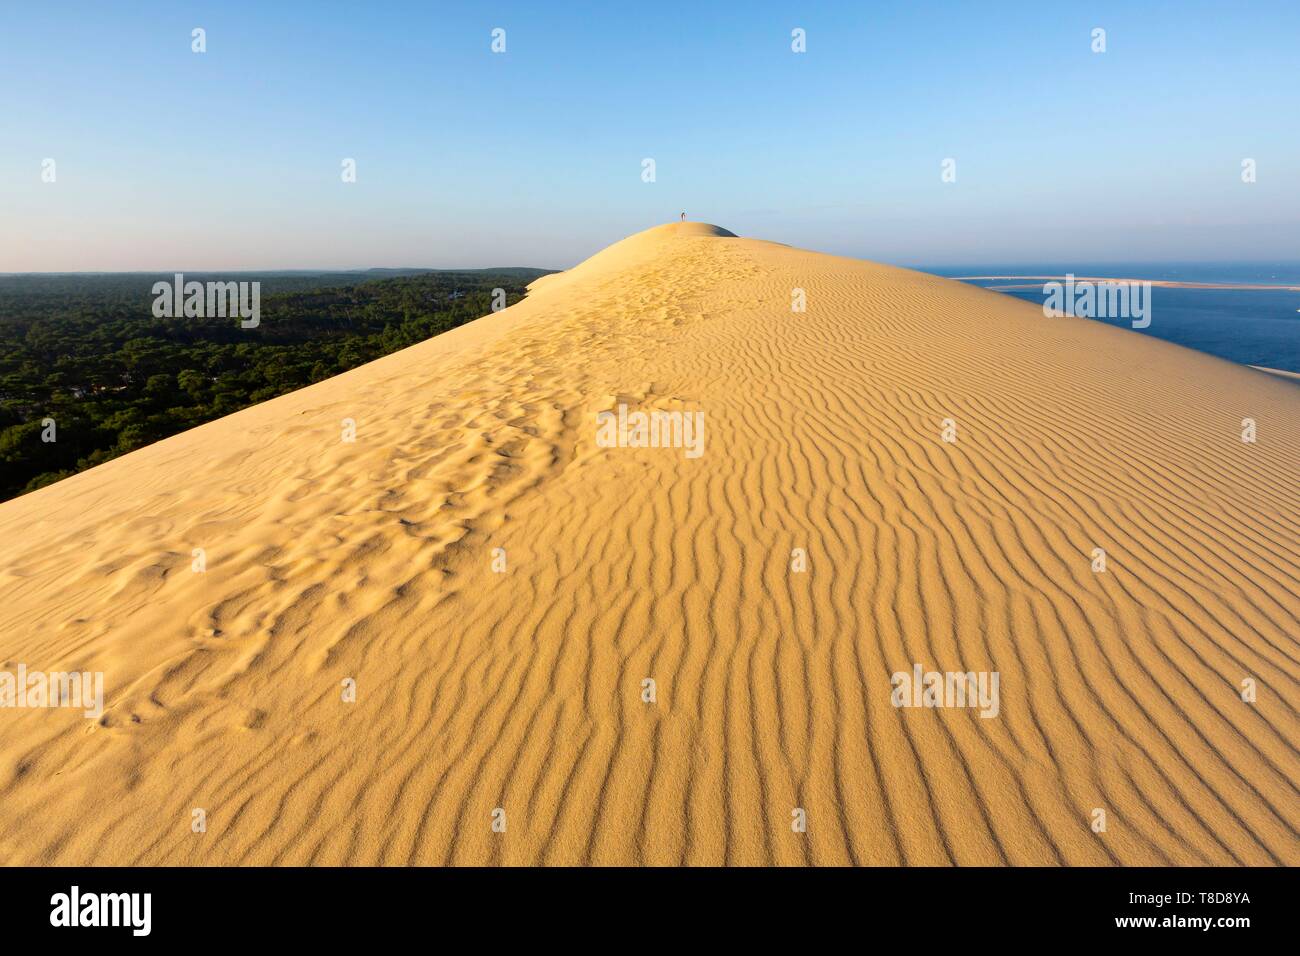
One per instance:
(522, 690)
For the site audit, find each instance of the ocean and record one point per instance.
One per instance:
(1251, 326)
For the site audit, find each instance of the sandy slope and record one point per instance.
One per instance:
(522, 690)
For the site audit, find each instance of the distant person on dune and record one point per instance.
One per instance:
(683, 217)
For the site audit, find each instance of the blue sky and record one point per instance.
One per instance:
(230, 159)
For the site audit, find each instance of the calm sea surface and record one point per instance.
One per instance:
(1252, 326)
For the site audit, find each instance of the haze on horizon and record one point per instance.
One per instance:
(230, 159)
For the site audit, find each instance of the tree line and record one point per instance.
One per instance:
(85, 353)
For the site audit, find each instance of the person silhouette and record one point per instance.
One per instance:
(683, 217)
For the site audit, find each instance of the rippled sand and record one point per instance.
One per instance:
(521, 690)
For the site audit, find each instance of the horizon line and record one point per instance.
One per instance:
(360, 269)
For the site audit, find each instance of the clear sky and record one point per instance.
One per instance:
(231, 159)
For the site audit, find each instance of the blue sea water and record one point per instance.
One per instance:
(1251, 326)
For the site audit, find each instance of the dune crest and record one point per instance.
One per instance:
(498, 587)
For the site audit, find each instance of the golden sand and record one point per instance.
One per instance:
(522, 690)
